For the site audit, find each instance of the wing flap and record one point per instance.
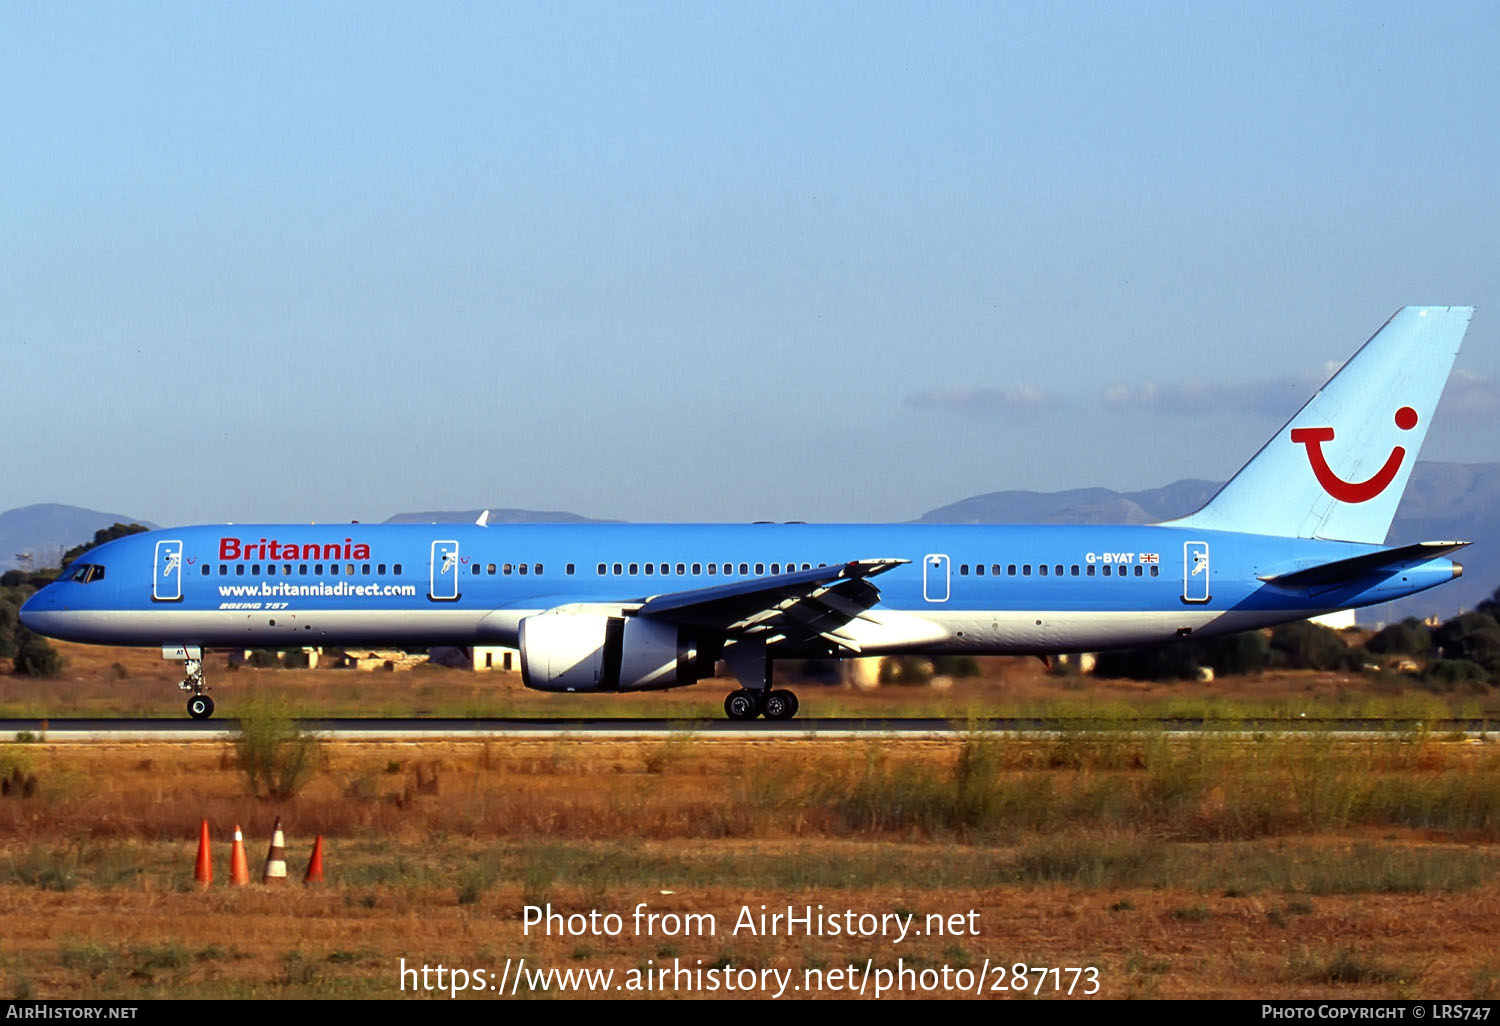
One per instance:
(816, 601)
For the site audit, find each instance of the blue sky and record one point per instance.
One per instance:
(716, 261)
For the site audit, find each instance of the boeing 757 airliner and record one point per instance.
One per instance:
(1299, 531)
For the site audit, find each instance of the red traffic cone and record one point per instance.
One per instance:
(204, 871)
(239, 868)
(314, 872)
(275, 872)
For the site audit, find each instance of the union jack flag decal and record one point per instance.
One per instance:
(1150, 557)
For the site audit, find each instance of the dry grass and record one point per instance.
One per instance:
(1211, 867)
(1293, 867)
(104, 681)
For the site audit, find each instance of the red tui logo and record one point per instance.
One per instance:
(1352, 491)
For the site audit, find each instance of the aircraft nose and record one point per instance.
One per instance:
(37, 612)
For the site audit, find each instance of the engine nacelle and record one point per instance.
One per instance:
(597, 652)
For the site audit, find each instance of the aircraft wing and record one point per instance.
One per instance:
(801, 604)
(1347, 570)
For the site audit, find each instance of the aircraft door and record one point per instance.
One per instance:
(443, 572)
(166, 581)
(936, 575)
(1195, 571)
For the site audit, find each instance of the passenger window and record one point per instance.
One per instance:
(1106, 569)
(963, 569)
(1075, 569)
(1089, 572)
(697, 569)
(318, 569)
(397, 568)
(1010, 570)
(364, 569)
(666, 569)
(255, 569)
(978, 569)
(1155, 571)
(635, 568)
(601, 569)
(475, 569)
(744, 569)
(619, 569)
(380, 569)
(1026, 570)
(223, 570)
(489, 568)
(807, 566)
(302, 569)
(349, 569)
(760, 569)
(1042, 569)
(508, 569)
(206, 570)
(775, 568)
(711, 569)
(568, 569)
(650, 569)
(1138, 570)
(1057, 570)
(682, 569)
(521, 567)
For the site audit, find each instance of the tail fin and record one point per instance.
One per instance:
(1338, 468)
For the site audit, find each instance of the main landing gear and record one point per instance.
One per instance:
(199, 705)
(746, 704)
(751, 666)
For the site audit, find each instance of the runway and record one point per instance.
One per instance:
(411, 729)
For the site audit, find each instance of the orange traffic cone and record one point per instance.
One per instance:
(314, 872)
(276, 857)
(239, 868)
(204, 872)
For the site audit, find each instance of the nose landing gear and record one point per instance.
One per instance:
(199, 705)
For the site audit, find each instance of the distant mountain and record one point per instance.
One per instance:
(497, 516)
(1078, 506)
(1443, 501)
(47, 530)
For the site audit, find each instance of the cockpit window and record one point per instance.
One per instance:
(83, 573)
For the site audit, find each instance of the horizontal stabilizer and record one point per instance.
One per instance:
(1371, 563)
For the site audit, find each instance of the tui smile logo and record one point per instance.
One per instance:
(1352, 491)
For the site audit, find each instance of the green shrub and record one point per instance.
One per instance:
(35, 658)
(275, 755)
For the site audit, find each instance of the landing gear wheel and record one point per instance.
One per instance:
(200, 707)
(780, 705)
(741, 705)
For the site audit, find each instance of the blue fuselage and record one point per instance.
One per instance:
(979, 589)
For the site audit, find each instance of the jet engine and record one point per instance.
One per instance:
(585, 651)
